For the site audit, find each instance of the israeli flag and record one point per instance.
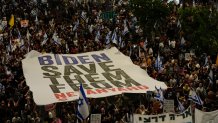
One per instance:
(122, 44)
(179, 24)
(90, 28)
(37, 20)
(210, 76)
(28, 35)
(180, 106)
(126, 30)
(55, 38)
(145, 43)
(120, 41)
(19, 35)
(182, 42)
(195, 98)
(107, 40)
(114, 37)
(206, 61)
(83, 107)
(120, 2)
(22, 44)
(83, 15)
(45, 38)
(76, 25)
(159, 96)
(97, 37)
(158, 63)
(67, 48)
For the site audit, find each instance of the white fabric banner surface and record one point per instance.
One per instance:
(185, 117)
(206, 117)
(57, 77)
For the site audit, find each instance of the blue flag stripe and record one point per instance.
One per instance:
(83, 93)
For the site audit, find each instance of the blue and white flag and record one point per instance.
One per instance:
(83, 106)
(90, 28)
(193, 3)
(83, 15)
(210, 76)
(76, 25)
(19, 35)
(55, 38)
(22, 44)
(206, 61)
(179, 24)
(159, 96)
(120, 41)
(126, 30)
(97, 37)
(195, 98)
(120, 2)
(182, 42)
(107, 38)
(158, 63)
(28, 35)
(114, 37)
(37, 20)
(45, 38)
(155, 25)
(145, 43)
(122, 44)
(34, 12)
(180, 106)
(67, 48)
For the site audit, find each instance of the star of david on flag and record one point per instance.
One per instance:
(83, 107)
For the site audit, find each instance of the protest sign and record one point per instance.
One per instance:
(95, 118)
(168, 106)
(185, 117)
(206, 117)
(56, 77)
(187, 56)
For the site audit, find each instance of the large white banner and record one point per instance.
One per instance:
(206, 117)
(185, 117)
(56, 77)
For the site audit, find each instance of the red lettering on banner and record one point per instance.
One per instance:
(132, 88)
(89, 91)
(143, 87)
(101, 91)
(121, 89)
(70, 94)
(112, 89)
(60, 96)
(107, 90)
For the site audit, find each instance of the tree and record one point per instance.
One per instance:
(150, 13)
(200, 26)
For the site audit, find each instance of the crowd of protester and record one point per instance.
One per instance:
(75, 27)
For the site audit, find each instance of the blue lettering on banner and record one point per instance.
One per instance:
(103, 57)
(69, 60)
(57, 58)
(45, 60)
(85, 59)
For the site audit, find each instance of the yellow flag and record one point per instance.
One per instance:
(11, 21)
(217, 59)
